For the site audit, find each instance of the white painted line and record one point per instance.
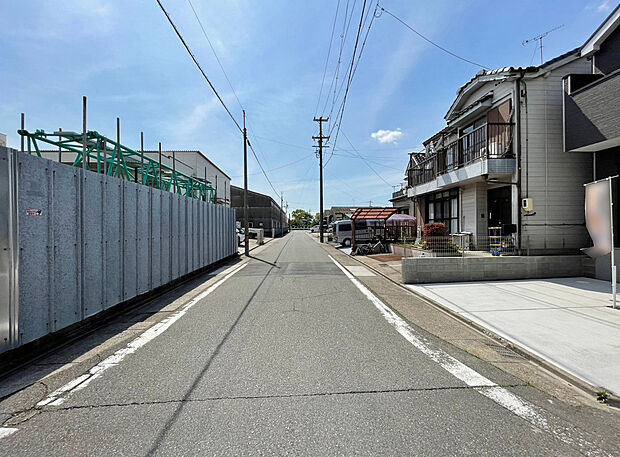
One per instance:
(472, 378)
(6, 431)
(58, 397)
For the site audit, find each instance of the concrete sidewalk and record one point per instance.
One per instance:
(567, 322)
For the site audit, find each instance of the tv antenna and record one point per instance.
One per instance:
(539, 39)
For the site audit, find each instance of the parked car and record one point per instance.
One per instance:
(343, 232)
(239, 237)
(315, 229)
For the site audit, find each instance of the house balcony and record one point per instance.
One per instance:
(591, 112)
(400, 193)
(486, 150)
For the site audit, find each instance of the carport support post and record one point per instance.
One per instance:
(613, 259)
(245, 189)
(353, 244)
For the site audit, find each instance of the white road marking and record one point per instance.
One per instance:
(58, 397)
(6, 431)
(472, 378)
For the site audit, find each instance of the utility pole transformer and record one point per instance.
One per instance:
(320, 138)
(245, 189)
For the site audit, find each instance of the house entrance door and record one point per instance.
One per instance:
(499, 206)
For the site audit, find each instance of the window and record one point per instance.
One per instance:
(443, 207)
(344, 227)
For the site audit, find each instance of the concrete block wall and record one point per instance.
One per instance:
(458, 269)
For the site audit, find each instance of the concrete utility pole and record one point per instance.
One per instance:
(320, 120)
(281, 211)
(245, 189)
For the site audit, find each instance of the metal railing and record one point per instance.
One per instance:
(462, 245)
(489, 141)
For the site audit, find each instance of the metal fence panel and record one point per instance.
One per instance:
(9, 258)
(66, 222)
(93, 237)
(166, 218)
(90, 241)
(129, 240)
(155, 215)
(34, 320)
(143, 232)
(112, 243)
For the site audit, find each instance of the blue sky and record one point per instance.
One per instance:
(125, 57)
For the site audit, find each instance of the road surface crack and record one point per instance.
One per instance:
(277, 396)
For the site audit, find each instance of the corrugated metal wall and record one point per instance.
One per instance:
(88, 242)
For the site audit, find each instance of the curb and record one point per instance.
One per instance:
(584, 386)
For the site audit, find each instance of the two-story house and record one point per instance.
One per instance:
(501, 162)
(592, 114)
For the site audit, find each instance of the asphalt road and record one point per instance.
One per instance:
(286, 356)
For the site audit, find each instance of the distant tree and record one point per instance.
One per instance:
(301, 218)
(317, 219)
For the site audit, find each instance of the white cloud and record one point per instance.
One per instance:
(387, 136)
(604, 6)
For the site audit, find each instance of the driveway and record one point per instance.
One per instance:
(568, 322)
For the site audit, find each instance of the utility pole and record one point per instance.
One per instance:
(320, 120)
(281, 211)
(245, 188)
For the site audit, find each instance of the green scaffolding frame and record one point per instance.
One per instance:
(109, 157)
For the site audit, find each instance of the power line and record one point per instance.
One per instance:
(288, 164)
(204, 32)
(262, 169)
(432, 42)
(210, 84)
(351, 75)
(349, 81)
(358, 58)
(329, 50)
(343, 38)
(365, 161)
(198, 65)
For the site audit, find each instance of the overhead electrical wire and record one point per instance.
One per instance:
(337, 95)
(431, 41)
(329, 50)
(352, 71)
(211, 84)
(343, 38)
(198, 65)
(204, 32)
(365, 161)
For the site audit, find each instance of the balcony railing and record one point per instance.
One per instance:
(489, 141)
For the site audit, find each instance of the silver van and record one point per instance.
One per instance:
(343, 233)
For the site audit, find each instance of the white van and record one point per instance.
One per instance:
(343, 233)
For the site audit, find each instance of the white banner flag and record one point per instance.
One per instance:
(598, 217)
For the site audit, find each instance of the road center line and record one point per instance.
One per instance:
(472, 378)
(58, 397)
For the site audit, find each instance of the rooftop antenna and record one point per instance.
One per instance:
(539, 38)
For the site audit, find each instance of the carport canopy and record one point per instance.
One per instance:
(380, 214)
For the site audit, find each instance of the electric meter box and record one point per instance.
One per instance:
(527, 204)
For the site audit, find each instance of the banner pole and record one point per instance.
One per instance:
(613, 260)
